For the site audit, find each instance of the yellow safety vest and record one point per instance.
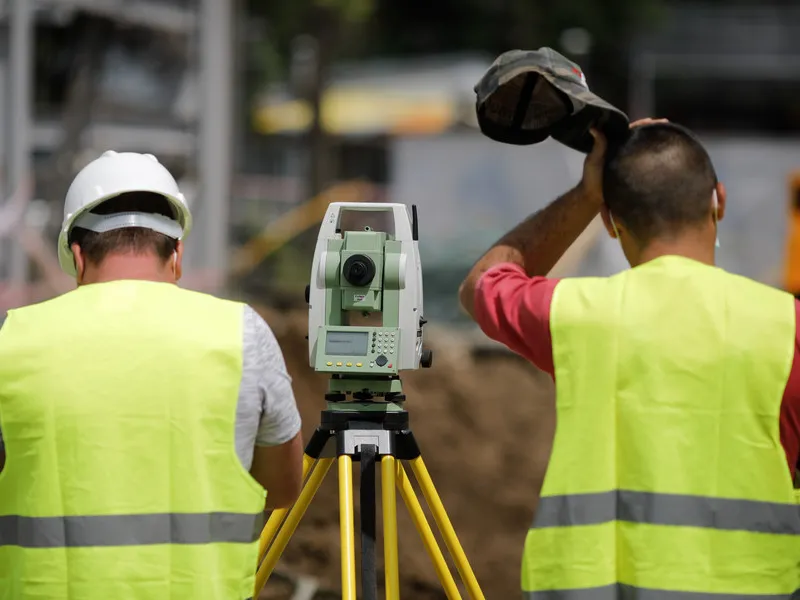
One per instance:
(117, 408)
(667, 474)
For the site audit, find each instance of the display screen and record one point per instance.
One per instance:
(347, 343)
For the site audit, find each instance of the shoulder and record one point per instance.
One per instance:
(509, 279)
(588, 292)
(204, 299)
(514, 309)
(259, 342)
(757, 291)
(507, 287)
(255, 327)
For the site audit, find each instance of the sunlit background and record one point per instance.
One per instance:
(266, 111)
(259, 108)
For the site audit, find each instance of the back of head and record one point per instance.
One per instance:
(659, 182)
(96, 246)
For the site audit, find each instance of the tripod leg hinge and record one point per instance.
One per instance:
(406, 447)
(316, 445)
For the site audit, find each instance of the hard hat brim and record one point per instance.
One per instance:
(65, 258)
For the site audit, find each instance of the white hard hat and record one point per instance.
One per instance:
(110, 175)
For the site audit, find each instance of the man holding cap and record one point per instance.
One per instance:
(677, 383)
(141, 422)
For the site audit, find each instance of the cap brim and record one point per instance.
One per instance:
(573, 130)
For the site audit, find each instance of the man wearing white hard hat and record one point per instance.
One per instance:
(145, 427)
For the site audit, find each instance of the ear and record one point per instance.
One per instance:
(721, 201)
(178, 258)
(80, 262)
(606, 216)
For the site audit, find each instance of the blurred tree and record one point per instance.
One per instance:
(92, 36)
(304, 38)
(421, 26)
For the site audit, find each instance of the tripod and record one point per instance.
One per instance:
(368, 432)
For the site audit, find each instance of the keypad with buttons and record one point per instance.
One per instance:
(383, 347)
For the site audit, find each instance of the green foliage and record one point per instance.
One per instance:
(352, 11)
(421, 26)
(286, 20)
(267, 63)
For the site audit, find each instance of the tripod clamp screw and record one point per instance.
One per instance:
(426, 360)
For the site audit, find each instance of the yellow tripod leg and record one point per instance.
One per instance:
(446, 528)
(389, 501)
(347, 528)
(278, 515)
(428, 539)
(292, 520)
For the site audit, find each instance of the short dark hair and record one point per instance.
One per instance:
(658, 181)
(137, 240)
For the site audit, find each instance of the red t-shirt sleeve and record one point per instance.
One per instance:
(514, 309)
(790, 409)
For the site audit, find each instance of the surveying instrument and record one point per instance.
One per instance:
(367, 272)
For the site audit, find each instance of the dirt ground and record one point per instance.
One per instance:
(484, 425)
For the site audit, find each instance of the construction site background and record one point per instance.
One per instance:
(266, 112)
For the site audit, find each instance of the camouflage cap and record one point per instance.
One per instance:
(527, 96)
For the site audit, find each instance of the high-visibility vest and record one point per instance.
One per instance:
(117, 408)
(667, 473)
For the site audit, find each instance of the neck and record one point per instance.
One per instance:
(695, 246)
(115, 268)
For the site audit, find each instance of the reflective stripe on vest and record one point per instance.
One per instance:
(129, 530)
(668, 509)
(117, 406)
(667, 478)
(630, 592)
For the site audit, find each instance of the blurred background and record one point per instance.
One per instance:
(267, 111)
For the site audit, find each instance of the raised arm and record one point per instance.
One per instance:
(539, 241)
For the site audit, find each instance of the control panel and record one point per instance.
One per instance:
(362, 350)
